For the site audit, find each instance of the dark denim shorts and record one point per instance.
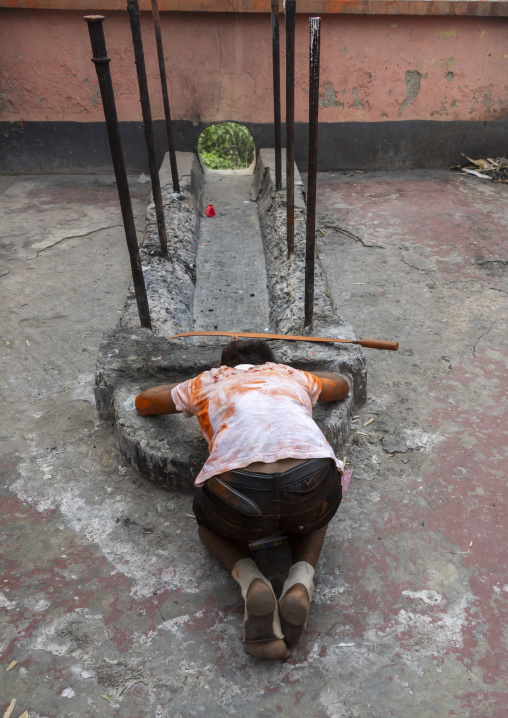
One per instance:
(297, 501)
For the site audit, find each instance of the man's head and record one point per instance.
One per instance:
(246, 351)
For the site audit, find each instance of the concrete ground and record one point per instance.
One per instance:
(108, 602)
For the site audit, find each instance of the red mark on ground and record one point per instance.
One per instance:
(298, 697)
(290, 679)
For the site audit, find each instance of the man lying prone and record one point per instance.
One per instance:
(270, 470)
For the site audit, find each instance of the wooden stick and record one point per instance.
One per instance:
(367, 343)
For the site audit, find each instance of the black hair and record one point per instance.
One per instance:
(246, 351)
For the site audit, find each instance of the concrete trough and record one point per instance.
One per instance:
(170, 450)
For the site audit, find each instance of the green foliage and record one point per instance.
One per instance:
(226, 146)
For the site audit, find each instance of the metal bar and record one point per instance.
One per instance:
(165, 98)
(290, 123)
(310, 245)
(276, 92)
(133, 10)
(101, 61)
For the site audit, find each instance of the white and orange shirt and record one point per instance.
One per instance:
(254, 413)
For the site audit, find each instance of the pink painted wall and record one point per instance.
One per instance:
(373, 68)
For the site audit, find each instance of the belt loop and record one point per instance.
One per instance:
(276, 488)
(276, 501)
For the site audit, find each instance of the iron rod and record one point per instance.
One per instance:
(137, 41)
(101, 61)
(290, 123)
(310, 245)
(276, 92)
(165, 97)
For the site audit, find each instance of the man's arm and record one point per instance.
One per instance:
(156, 401)
(333, 386)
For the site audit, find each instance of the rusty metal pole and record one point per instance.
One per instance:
(165, 98)
(133, 10)
(290, 123)
(276, 92)
(101, 61)
(310, 246)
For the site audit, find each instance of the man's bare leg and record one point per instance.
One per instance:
(259, 599)
(295, 601)
(227, 551)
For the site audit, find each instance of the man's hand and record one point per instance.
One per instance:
(333, 386)
(156, 401)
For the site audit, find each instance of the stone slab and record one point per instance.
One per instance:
(286, 277)
(266, 161)
(170, 280)
(170, 450)
(190, 177)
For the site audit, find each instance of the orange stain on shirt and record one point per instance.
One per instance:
(263, 413)
(201, 404)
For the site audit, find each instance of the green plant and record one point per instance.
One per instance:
(226, 146)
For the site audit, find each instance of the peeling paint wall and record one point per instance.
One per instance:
(373, 68)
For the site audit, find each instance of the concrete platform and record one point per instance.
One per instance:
(105, 588)
(169, 450)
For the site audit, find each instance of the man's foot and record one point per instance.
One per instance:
(293, 611)
(268, 650)
(260, 599)
(261, 623)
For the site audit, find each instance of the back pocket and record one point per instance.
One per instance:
(309, 483)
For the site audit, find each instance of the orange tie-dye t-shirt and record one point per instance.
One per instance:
(254, 413)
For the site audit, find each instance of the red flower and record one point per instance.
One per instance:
(209, 211)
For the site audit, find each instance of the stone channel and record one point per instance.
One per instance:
(227, 272)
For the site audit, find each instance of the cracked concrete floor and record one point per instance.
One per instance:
(109, 604)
